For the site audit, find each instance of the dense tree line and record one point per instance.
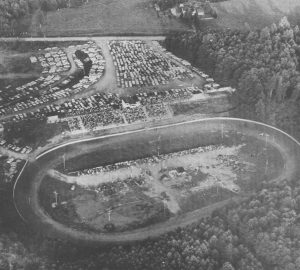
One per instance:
(269, 224)
(12, 11)
(263, 65)
(208, 245)
(14, 255)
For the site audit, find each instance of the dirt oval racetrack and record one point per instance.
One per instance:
(27, 185)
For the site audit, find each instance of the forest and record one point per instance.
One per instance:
(262, 64)
(12, 12)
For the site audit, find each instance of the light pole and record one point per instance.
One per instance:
(158, 145)
(267, 135)
(267, 163)
(56, 196)
(164, 203)
(56, 200)
(64, 160)
(109, 214)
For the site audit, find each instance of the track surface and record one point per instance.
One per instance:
(27, 185)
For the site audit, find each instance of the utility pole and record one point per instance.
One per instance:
(164, 203)
(56, 199)
(158, 144)
(267, 163)
(267, 135)
(64, 160)
(109, 214)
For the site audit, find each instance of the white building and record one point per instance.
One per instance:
(52, 119)
(130, 105)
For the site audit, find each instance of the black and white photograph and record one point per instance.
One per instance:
(149, 134)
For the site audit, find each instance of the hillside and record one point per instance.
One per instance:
(257, 13)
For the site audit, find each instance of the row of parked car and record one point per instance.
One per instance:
(103, 103)
(147, 160)
(15, 148)
(95, 112)
(210, 86)
(54, 86)
(139, 64)
(52, 60)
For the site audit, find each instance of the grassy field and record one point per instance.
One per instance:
(16, 64)
(214, 105)
(137, 17)
(108, 17)
(32, 133)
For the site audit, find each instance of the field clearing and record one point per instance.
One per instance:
(13, 62)
(202, 106)
(105, 17)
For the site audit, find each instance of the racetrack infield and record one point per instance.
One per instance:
(26, 198)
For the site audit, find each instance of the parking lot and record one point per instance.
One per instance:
(54, 83)
(143, 69)
(139, 64)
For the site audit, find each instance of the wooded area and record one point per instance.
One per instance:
(12, 11)
(263, 65)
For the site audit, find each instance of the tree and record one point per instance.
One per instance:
(273, 28)
(265, 34)
(227, 266)
(284, 24)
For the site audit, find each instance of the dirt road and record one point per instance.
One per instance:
(100, 38)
